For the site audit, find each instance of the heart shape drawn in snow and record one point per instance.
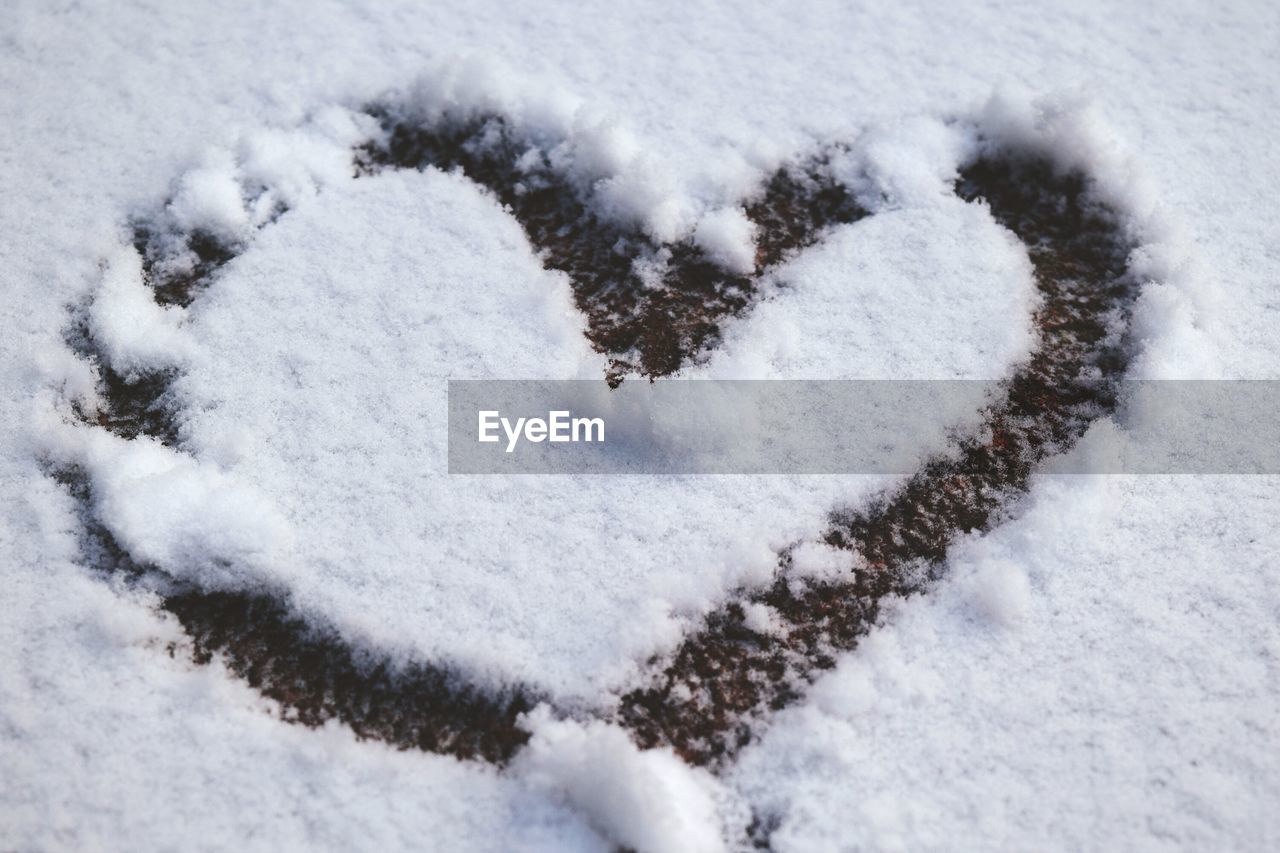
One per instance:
(262, 441)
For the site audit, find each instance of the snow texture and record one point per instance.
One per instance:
(472, 570)
(136, 334)
(1098, 671)
(643, 800)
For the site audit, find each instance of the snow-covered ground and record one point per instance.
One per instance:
(1103, 670)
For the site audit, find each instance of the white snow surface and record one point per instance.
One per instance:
(642, 799)
(334, 336)
(329, 396)
(1099, 671)
(136, 334)
(1058, 685)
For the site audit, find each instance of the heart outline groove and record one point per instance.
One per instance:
(708, 698)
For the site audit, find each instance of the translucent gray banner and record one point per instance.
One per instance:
(857, 426)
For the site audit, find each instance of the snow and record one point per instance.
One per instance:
(378, 311)
(855, 306)
(1002, 592)
(819, 561)
(136, 334)
(353, 412)
(1070, 680)
(209, 199)
(110, 741)
(728, 236)
(168, 509)
(1100, 670)
(643, 800)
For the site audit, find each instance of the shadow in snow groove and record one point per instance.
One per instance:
(706, 698)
